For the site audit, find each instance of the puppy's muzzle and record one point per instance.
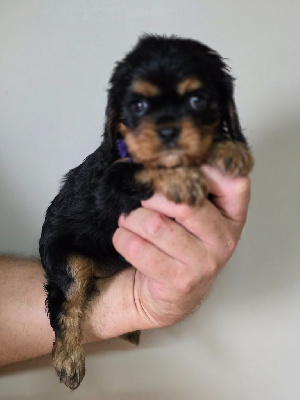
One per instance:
(168, 135)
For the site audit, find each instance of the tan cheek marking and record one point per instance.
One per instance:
(145, 88)
(143, 143)
(188, 85)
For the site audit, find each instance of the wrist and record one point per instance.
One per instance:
(114, 311)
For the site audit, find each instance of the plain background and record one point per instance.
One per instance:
(55, 61)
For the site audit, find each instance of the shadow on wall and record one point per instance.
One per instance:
(134, 395)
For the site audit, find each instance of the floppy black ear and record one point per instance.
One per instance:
(112, 121)
(118, 85)
(231, 124)
(112, 116)
(219, 72)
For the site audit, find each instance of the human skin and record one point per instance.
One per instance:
(177, 252)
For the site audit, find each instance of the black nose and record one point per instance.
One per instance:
(168, 134)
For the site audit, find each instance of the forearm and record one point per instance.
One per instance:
(25, 331)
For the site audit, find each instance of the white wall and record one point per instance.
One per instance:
(55, 61)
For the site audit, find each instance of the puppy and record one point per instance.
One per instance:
(170, 109)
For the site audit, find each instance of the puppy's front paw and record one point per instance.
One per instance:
(69, 364)
(189, 188)
(232, 158)
(180, 185)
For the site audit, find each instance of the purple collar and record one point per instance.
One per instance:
(122, 149)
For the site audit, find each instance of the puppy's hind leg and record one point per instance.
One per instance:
(68, 355)
(132, 337)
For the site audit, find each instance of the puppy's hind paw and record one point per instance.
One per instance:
(70, 367)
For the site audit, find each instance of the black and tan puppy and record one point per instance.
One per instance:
(170, 109)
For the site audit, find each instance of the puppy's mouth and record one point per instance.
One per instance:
(166, 159)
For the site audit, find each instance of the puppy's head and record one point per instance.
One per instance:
(170, 99)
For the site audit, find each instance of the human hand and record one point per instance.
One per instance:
(178, 250)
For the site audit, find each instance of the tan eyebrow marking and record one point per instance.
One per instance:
(188, 85)
(145, 88)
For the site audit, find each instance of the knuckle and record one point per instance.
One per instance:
(185, 282)
(226, 247)
(209, 266)
(155, 224)
(134, 248)
(185, 285)
(191, 279)
(242, 185)
(230, 244)
(183, 211)
(211, 269)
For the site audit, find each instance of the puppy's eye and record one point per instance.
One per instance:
(139, 107)
(197, 103)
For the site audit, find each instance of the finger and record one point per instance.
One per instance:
(228, 211)
(168, 276)
(170, 237)
(144, 256)
(231, 195)
(205, 222)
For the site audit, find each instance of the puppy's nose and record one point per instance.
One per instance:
(168, 134)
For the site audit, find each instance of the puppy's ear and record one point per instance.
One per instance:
(113, 116)
(118, 83)
(231, 123)
(111, 124)
(231, 128)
